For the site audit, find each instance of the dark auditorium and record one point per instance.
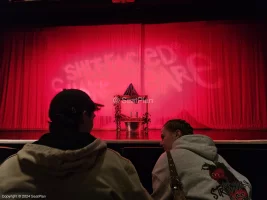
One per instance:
(133, 100)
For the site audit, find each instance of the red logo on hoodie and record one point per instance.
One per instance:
(239, 194)
(218, 174)
(230, 184)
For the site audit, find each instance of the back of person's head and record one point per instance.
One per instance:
(173, 130)
(180, 125)
(71, 110)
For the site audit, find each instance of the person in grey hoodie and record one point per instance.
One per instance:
(69, 162)
(204, 174)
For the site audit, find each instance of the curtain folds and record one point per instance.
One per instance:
(210, 74)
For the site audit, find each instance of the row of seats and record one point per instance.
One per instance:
(248, 161)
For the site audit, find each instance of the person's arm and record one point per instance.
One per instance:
(161, 191)
(239, 176)
(161, 179)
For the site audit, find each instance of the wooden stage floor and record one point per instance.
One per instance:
(220, 136)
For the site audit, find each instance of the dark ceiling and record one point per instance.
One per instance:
(143, 11)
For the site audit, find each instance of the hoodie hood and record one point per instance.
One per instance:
(57, 162)
(199, 144)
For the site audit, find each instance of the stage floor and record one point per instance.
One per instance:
(220, 136)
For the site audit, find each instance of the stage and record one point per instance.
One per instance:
(209, 73)
(153, 136)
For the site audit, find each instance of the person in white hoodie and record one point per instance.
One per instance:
(203, 173)
(68, 162)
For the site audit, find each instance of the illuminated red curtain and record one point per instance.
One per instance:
(38, 63)
(211, 74)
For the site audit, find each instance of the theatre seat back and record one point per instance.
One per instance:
(144, 159)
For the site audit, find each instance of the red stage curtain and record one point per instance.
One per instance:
(209, 73)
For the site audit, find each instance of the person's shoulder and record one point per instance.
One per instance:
(10, 159)
(9, 163)
(118, 160)
(163, 156)
(162, 160)
(117, 155)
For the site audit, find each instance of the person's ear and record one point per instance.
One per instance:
(178, 133)
(84, 114)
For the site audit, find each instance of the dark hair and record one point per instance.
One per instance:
(179, 124)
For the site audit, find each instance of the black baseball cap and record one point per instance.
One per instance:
(71, 103)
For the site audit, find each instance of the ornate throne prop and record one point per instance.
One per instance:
(134, 124)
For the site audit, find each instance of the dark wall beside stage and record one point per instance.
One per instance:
(248, 160)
